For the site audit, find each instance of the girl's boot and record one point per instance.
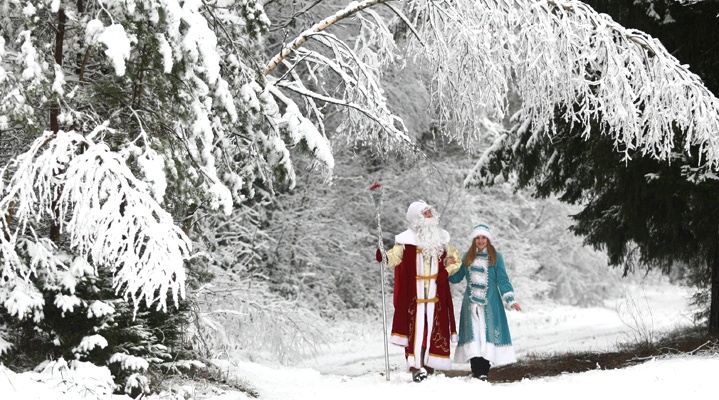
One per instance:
(480, 368)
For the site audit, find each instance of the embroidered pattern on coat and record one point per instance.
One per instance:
(439, 340)
(478, 279)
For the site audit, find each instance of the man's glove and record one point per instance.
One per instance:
(378, 256)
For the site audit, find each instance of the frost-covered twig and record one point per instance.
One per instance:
(263, 321)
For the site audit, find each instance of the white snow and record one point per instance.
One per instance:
(90, 342)
(119, 45)
(130, 362)
(352, 366)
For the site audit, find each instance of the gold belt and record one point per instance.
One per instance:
(432, 300)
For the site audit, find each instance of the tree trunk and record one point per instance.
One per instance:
(54, 123)
(714, 303)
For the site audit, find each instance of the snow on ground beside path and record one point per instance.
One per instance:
(643, 313)
(353, 365)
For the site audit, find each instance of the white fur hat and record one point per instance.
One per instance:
(415, 210)
(481, 230)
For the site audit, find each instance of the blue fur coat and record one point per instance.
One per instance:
(495, 293)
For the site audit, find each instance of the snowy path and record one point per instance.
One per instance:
(656, 379)
(352, 367)
(538, 329)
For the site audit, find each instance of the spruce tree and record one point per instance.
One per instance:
(642, 211)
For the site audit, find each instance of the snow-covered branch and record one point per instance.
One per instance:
(110, 217)
(344, 75)
(562, 55)
(352, 9)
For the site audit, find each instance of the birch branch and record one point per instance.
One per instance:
(318, 27)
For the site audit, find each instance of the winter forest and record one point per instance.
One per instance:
(182, 180)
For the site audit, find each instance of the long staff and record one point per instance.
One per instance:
(376, 191)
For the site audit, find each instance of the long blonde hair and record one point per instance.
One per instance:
(472, 253)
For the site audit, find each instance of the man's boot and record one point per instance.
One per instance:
(419, 374)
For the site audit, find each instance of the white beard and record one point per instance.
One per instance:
(430, 236)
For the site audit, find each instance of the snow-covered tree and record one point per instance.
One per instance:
(137, 116)
(131, 117)
(564, 63)
(645, 213)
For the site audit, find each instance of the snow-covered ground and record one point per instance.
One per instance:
(641, 312)
(353, 365)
